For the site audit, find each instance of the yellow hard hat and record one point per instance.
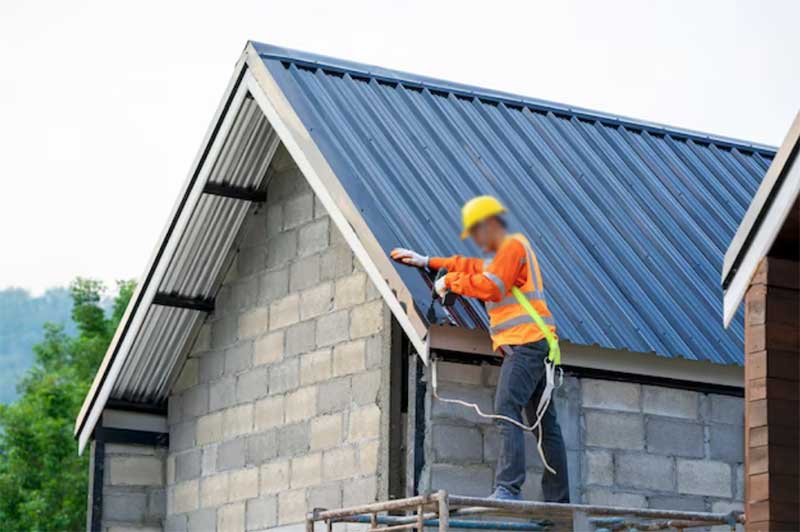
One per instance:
(477, 210)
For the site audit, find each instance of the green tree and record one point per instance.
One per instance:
(43, 481)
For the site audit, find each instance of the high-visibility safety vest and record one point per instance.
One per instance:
(510, 322)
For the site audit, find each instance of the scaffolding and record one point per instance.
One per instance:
(443, 511)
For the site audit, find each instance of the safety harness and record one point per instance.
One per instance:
(550, 364)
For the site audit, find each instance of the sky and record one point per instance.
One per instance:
(103, 105)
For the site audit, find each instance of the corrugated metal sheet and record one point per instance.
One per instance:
(630, 220)
(198, 263)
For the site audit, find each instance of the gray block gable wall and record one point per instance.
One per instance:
(280, 405)
(627, 444)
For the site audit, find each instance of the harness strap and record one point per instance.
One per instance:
(555, 351)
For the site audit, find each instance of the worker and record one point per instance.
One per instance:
(522, 374)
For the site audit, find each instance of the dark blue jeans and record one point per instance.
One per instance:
(522, 380)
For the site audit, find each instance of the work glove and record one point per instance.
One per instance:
(440, 287)
(412, 258)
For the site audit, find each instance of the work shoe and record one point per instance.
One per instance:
(504, 494)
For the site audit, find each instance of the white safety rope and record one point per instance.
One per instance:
(544, 403)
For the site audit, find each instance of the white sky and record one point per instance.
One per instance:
(103, 104)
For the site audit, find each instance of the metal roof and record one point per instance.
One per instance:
(630, 219)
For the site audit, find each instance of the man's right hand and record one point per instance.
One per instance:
(407, 256)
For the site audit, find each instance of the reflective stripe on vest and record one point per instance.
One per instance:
(519, 320)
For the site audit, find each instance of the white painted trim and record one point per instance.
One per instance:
(320, 177)
(767, 232)
(159, 268)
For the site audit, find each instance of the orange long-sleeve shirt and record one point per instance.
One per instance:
(467, 276)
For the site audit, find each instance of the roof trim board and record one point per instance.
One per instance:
(762, 222)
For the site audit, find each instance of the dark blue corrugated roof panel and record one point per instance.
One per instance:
(630, 220)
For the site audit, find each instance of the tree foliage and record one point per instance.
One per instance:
(43, 481)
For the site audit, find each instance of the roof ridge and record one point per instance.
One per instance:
(270, 51)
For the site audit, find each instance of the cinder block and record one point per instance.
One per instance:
(675, 502)
(243, 484)
(332, 328)
(183, 497)
(275, 477)
(293, 439)
(136, 470)
(316, 301)
(365, 423)
(614, 430)
(470, 374)
(304, 273)
(284, 312)
(212, 366)
(273, 285)
(254, 322)
(255, 229)
(261, 448)
(606, 497)
(313, 238)
(188, 376)
(340, 463)
(298, 210)
(237, 420)
(281, 248)
(202, 520)
(284, 376)
(378, 351)
(251, 385)
(291, 506)
(187, 465)
(740, 482)
(326, 431)
(306, 470)
(269, 412)
(350, 290)
(300, 338)
(727, 443)
(670, 402)
(568, 408)
(336, 262)
(483, 397)
(359, 491)
(368, 457)
(726, 409)
(251, 259)
(611, 395)
(349, 357)
(315, 366)
(366, 319)
(644, 471)
(673, 437)
(231, 454)
(194, 402)
(268, 349)
(170, 469)
(262, 513)
(208, 464)
(222, 393)
(244, 293)
(301, 404)
(239, 358)
(457, 443)
(224, 331)
(231, 517)
(474, 481)
(176, 523)
(128, 506)
(274, 221)
(202, 341)
(704, 477)
(599, 468)
(156, 504)
(214, 490)
(334, 395)
(181, 435)
(366, 386)
(326, 496)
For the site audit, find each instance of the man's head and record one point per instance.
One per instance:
(483, 221)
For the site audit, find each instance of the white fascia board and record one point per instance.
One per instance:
(334, 198)
(117, 353)
(766, 234)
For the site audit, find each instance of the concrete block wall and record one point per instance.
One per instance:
(280, 405)
(627, 444)
(133, 488)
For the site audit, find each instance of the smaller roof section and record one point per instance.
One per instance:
(764, 226)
